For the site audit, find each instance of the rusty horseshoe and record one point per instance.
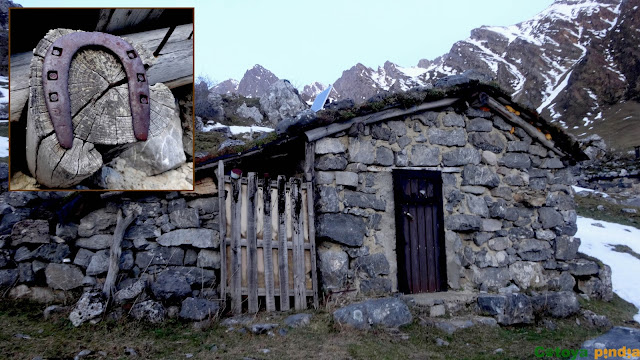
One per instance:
(55, 81)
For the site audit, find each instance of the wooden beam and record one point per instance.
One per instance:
(516, 120)
(319, 133)
(267, 247)
(252, 249)
(298, 249)
(236, 249)
(283, 254)
(222, 221)
(173, 67)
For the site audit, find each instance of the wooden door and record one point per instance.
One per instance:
(420, 231)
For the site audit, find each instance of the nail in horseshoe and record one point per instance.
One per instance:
(55, 81)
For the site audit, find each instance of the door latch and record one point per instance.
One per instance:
(407, 214)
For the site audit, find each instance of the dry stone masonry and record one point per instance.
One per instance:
(509, 215)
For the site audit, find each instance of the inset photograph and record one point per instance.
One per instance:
(101, 99)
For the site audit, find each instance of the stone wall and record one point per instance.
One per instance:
(508, 209)
(169, 253)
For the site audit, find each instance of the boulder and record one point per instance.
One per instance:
(362, 200)
(327, 199)
(329, 145)
(516, 161)
(96, 222)
(373, 265)
(204, 206)
(341, 228)
(479, 175)
(198, 309)
(161, 152)
(455, 137)
(331, 162)
(130, 292)
(549, 217)
(185, 218)
(385, 312)
(463, 222)
(527, 274)
(582, 267)
(298, 320)
(384, 156)
(333, 265)
(83, 257)
(30, 232)
(361, 151)
(375, 286)
(453, 119)
(346, 178)
(491, 278)
(461, 156)
(479, 124)
(250, 112)
(8, 277)
(559, 304)
(90, 306)
(99, 263)
(489, 141)
(566, 247)
(509, 309)
(63, 276)
(148, 310)
(281, 101)
(208, 259)
(160, 256)
(170, 285)
(200, 238)
(95, 242)
(423, 155)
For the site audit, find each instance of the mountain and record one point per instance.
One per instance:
(576, 62)
(226, 87)
(309, 92)
(255, 83)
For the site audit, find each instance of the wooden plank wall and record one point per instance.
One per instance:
(267, 234)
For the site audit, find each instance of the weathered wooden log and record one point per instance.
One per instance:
(100, 110)
(122, 224)
(173, 66)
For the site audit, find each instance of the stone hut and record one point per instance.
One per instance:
(457, 193)
(433, 190)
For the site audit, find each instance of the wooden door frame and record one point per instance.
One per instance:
(435, 177)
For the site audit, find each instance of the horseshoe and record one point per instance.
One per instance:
(55, 81)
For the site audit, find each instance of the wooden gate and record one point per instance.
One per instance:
(420, 231)
(267, 245)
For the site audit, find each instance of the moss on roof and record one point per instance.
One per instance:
(410, 98)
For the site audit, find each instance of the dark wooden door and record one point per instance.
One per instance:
(420, 231)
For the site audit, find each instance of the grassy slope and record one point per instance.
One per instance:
(322, 339)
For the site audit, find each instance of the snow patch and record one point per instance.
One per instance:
(4, 146)
(599, 243)
(235, 130)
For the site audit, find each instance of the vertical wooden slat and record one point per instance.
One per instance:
(283, 258)
(222, 217)
(236, 262)
(309, 173)
(422, 247)
(268, 252)
(432, 259)
(298, 248)
(413, 225)
(312, 240)
(252, 251)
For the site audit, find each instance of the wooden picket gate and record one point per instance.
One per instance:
(252, 263)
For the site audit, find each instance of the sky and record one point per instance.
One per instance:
(305, 41)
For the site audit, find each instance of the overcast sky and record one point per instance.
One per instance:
(306, 41)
